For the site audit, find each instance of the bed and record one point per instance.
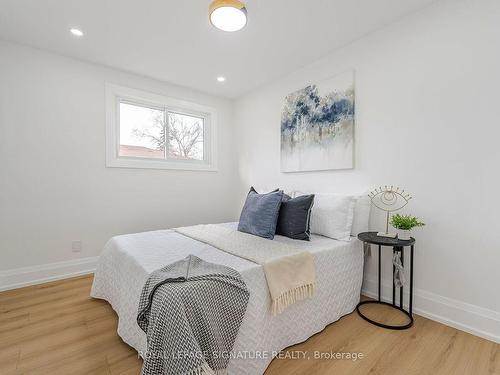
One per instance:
(127, 260)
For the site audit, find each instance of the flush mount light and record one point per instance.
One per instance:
(76, 32)
(228, 15)
(221, 79)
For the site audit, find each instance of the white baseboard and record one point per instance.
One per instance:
(21, 277)
(473, 319)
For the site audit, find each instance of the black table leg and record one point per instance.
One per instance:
(410, 307)
(401, 287)
(393, 286)
(379, 269)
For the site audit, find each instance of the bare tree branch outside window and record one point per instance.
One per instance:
(155, 133)
(185, 135)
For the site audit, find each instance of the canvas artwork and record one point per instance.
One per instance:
(317, 126)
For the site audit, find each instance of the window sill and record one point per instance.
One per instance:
(159, 164)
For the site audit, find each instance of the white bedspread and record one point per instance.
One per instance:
(127, 260)
(290, 272)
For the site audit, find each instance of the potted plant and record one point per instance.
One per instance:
(404, 224)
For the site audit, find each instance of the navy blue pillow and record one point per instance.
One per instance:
(260, 213)
(295, 216)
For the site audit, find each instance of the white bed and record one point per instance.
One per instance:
(127, 260)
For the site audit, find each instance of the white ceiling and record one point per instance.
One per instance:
(172, 40)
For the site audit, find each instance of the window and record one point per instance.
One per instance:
(142, 131)
(150, 131)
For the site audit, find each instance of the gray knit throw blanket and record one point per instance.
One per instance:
(191, 311)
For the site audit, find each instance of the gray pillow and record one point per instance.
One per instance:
(294, 217)
(260, 213)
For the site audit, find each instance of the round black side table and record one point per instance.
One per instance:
(397, 245)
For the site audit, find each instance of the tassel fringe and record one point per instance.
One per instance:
(291, 296)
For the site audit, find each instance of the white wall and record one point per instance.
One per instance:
(427, 118)
(54, 186)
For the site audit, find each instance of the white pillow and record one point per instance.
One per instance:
(332, 216)
(361, 214)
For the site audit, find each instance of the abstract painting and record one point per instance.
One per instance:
(317, 126)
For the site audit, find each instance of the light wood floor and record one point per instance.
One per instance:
(56, 328)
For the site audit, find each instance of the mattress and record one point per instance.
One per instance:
(127, 260)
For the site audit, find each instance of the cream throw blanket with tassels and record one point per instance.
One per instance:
(290, 273)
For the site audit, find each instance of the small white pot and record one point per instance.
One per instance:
(404, 235)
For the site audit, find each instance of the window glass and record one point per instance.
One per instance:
(142, 132)
(185, 136)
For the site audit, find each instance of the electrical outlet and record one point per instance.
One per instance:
(76, 246)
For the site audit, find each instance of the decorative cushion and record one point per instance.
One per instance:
(332, 216)
(362, 210)
(260, 213)
(294, 217)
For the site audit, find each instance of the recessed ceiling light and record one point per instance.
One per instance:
(228, 15)
(76, 32)
(221, 79)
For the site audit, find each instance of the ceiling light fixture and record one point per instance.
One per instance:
(228, 15)
(221, 79)
(76, 32)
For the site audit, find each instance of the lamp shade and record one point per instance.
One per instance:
(228, 15)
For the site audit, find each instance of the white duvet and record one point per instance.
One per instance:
(127, 260)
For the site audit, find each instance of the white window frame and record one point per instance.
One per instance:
(116, 94)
